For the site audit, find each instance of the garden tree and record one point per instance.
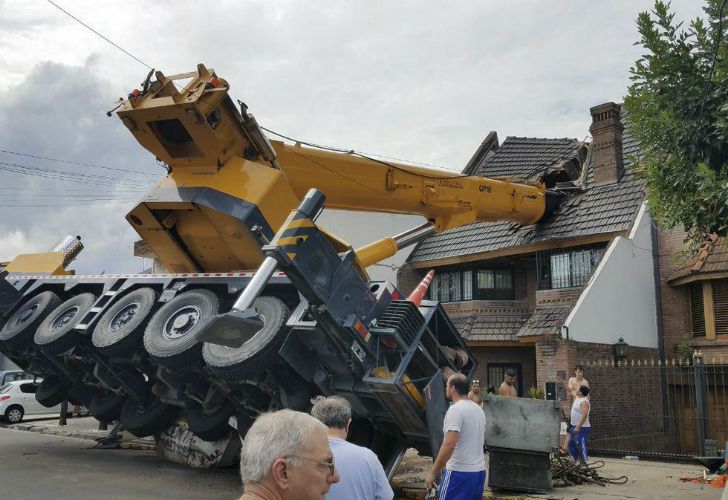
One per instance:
(678, 111)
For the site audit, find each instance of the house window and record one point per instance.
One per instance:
(720, 306)
(470, 284)
(567, 268)
(697, 314)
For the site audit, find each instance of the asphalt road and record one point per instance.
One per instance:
(39, 466)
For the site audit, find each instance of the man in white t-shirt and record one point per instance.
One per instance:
(461, 458)
(361, 474)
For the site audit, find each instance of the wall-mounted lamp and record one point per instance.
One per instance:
(620, 350)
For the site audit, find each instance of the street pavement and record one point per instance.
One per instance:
(47, 462)
(40, 466)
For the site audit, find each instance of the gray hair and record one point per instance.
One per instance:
(272, 436)
(334, 412)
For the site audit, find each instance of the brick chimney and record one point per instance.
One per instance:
(606, 130)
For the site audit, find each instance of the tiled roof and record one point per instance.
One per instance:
(711, 258)
(545, 321)
(526, 156)
(485, 327)
(594, 210)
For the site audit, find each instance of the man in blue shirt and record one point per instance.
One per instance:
(361, 474)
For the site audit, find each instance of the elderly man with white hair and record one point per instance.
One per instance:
(286, 456)
(362, 475)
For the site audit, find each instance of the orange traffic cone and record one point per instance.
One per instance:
(418, 293)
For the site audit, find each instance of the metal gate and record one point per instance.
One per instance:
(663, 408)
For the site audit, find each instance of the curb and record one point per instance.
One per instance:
(87, 436)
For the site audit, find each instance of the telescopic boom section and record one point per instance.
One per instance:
(229, 189)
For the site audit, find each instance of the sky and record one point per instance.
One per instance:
(420, 81)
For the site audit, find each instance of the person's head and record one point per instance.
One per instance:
(333, 412)
(579, 371)
(289, 452)
(457, 387)
(475, 386)
(583, 391)
(509, 377)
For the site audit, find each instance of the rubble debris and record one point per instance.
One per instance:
(566, 472)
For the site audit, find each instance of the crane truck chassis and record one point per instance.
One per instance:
(211, 343)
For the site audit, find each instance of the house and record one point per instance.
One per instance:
(541, 298)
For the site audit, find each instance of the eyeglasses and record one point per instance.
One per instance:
(322, 463)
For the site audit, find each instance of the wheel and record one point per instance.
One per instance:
(105, 407)
(83, 411)
(51, 392)
(146, 419)
(19, 328)
(256, 355)
(171, 337)
(56, 333)
(80, 394)
(210, 426)
(121, 327)
(14, 414)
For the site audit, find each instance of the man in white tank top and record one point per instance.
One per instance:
(580, 425)
(580, 410)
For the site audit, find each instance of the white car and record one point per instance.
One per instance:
(17, 399)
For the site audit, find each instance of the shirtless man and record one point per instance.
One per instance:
(474, 394)
(507, 388)
(572, 386)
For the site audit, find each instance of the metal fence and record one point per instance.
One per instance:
(661, 408)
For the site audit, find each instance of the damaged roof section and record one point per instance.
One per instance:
(712, 258)
(588, 210)
(492, 326)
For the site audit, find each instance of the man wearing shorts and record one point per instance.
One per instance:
(461, 453)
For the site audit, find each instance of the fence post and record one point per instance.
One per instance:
(701, 404)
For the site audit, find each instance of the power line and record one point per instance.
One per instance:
(93, 165)
(97, 33)
(362, 155)
(67, 175)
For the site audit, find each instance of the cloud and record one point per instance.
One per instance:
(411, 79)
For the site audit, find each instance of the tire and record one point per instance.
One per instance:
(170, 342)
(19, 328)
(14, 414)
(51, 393)
(105, 407)
(80, 394)
(148, 419)
(256, 355)
(56, 333)
(121, 328)
(210, 427)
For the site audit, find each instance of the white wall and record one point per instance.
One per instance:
(619, 300)
(359, 229)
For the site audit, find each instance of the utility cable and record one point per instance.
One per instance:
(97, 33)
(66, 174)
(93, 165)
(362, 155)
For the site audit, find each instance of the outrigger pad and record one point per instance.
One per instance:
(232, 329)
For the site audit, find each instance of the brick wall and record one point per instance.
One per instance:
(408, 278)
(675, 300)
(526, 356)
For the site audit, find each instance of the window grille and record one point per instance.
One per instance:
(567, 268)
(473, 284)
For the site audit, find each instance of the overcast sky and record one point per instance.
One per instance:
(422, 81)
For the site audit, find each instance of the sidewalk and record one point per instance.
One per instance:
(79, 428)
(647, 480)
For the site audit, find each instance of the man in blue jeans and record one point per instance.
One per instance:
(580, 425)
(461, 453)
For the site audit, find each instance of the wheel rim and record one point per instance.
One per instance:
(15, 415)
(124, 316)
(63, 319)
(181, 322)
(23, 318)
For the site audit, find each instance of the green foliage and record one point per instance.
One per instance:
(535, 393)
(678, 111)
(683, 350)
